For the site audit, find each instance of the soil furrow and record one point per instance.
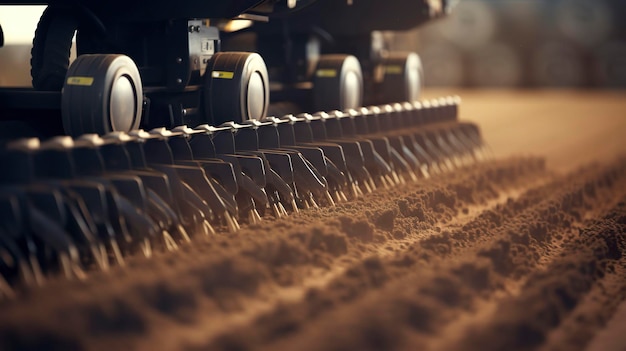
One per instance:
(227, 271)
(452, 262)
(552, 295)
(444, 284)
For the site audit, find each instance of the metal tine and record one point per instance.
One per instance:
(308, 181)
(402, 157)
(422, 138)
(124, 154)
(449, 114)
(196, 188)
(203, 150)
(328, 128)
(309, 164)
(434, 134)
(437, 133)
(341, 125)
(80, 220)
(35, 232)
(400, 120)
(155, 159)
(6, 288)
(440, 121)
(377, 155)
(20, 170)
(375, 165)
(14, 214)
(14, 230)
(57, 238)
(60, 205)
(219, 199)
(438, 160)
(472, 134)
(336, 153)
(146, 204)
(247, 141)
(339, 178)
(472, 131)
(249, 170)
(251, 180)
(96, 195)
(369, 125)
(129, 198)
(464, 143)
(417, 122)
(278, 167)
(254, 164)
(88, 153)
(432, 144)
(294, 134)
(471, 148)
(183, 154)
(379, 122)
(13, 263)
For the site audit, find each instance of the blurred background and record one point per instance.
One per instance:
(18, 24)
(484, 43)
(525, 43)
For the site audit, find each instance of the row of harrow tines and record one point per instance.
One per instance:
(68, 206)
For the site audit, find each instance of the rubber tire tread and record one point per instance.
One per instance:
(52, 43)
(83, 107)
(224, 99)
(391, 82)
(327, 91)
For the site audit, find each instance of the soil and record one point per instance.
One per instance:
(516, 253)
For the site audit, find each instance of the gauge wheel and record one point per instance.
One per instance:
(50, 55)
(236, 87)
(337, 83)
(101, 94)
(403, 77)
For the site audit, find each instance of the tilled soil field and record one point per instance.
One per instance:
(507, 254)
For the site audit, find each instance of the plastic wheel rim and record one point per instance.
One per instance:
(122, 103)
(350, 91)
(256, 96)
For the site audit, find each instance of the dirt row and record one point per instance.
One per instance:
(537, 271)
(499, 255)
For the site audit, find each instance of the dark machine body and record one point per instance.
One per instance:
(168, 138)
(173, 43)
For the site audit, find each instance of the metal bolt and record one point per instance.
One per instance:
(179, 60)
(179, 81)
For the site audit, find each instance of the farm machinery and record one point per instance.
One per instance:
(167, 134)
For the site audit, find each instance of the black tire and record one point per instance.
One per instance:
(236, 87)
(50, 55)
(101, 94)
(337, 83)
(403, 77)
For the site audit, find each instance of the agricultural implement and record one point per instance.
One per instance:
(168, 137)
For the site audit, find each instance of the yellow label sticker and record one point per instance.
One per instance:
(393, 69)
(77, 80)
(222, 74)
(326, 73)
